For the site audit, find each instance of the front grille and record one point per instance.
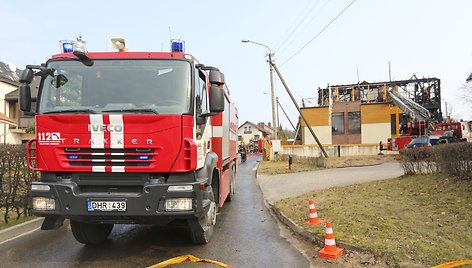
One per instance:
(109, 157)
(110, 189)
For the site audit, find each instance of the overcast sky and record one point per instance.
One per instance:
(428, 38)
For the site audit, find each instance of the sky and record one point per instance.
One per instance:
(429, 38)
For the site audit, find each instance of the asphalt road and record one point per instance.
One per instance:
(246, 235)
(278, 187)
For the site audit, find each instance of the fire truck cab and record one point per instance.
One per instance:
(130, 137)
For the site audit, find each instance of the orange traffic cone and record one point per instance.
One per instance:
(313, 220)
(330, 251)
(286, 167)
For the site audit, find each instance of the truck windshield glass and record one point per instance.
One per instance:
(117, 86)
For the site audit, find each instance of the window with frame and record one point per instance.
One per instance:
(393, 124)
(337, 123)
(201, 92)
(354, 122)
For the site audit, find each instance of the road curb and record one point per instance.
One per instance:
(371, 165)
(17, 230)
(309, 236)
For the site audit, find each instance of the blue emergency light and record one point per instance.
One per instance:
(67, 46)
(143, 157)
(73, 157)
(177, 46)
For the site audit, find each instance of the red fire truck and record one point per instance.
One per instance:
(459, 129)
(130, 137)
(409, 131)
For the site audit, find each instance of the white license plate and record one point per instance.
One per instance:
(106, 205)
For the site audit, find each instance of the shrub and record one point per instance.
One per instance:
(15, 181)
(454, 159)
(418, 160)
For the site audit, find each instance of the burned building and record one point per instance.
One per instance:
(366, 113)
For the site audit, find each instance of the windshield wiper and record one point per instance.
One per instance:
(84, 111)
(136, 110)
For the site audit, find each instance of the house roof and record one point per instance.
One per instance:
(11, 77)
(7, 75)
(6, 120)
(255, 126)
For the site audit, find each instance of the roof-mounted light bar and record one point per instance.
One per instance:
(177, 45)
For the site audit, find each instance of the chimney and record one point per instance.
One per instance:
(269, 124)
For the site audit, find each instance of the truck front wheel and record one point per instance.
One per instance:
(90, 234)
(201, 229)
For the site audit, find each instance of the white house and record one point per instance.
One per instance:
(12, 121)
(249, 132)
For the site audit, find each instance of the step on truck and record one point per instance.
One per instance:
(129, 138)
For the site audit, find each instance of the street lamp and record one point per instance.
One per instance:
(271, 72)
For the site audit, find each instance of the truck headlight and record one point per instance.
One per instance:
(44, 203)
(178, 204)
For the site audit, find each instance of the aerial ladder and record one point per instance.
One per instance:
(415, 111)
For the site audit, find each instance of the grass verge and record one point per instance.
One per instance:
(417, 220)
(13, 222)
(273, 168)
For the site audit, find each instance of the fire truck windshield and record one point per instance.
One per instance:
(117, 86)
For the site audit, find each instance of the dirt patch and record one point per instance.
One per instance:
(273, 168)
(414, 221)
(278, 167)
(354, 161)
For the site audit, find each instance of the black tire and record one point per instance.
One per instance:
(90, 234)
(201, 229)
(232, 184)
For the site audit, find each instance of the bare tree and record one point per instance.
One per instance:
(465, 95)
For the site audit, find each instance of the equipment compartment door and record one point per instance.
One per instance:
(226, 132)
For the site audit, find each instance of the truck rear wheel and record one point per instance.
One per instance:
(201, 229)
(232, 184)
(90, 234)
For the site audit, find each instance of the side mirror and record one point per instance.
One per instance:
(217, 99)
(25, 97)
(217, 77)
(26, 76)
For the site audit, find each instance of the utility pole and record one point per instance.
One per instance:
(447, 116)
(299, 111)
(278, 114)
(272, 93)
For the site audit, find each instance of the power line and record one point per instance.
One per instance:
(298, 25)
(292, 25)
(306, 25)
(318, 34)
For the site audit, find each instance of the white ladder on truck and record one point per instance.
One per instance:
(413, 109)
